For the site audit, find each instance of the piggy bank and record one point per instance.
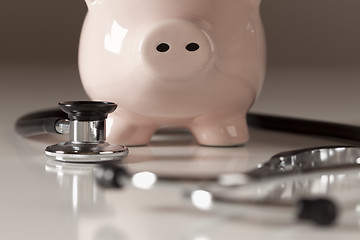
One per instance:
(174, 63)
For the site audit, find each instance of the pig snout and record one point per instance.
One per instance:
(177, 49)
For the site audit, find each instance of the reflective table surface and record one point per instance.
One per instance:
(45, 199)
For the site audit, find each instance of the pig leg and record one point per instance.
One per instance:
(220, 130)
(130, 129)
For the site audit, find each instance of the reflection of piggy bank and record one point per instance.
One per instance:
(195, 64)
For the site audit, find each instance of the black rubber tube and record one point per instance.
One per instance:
(44, 122)
(39, 122)
(303, 126)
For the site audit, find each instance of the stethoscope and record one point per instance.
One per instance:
(85, 123)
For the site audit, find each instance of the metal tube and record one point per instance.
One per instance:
(62, 126)
(87, 132)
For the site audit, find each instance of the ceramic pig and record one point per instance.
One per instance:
(197, 64)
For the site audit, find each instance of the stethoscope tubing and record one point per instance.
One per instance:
(44, 122)
(304, 126)
(38, 123)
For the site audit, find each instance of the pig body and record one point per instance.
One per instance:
(195, 64)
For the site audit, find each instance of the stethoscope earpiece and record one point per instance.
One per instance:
(87, 132)
(321, 211)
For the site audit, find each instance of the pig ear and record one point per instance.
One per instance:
(91, 3)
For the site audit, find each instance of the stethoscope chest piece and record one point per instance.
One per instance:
(87, 131)
(78, 152)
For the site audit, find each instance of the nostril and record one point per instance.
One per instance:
(192, 47)
(163, 47)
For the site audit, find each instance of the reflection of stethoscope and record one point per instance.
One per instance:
(85, 123)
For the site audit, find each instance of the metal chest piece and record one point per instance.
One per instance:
(87, 132)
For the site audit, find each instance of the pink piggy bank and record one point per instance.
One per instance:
(185, 63)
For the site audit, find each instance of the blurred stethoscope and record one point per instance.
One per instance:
(84, 121)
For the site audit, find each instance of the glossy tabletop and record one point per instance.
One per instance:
(45, 199)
